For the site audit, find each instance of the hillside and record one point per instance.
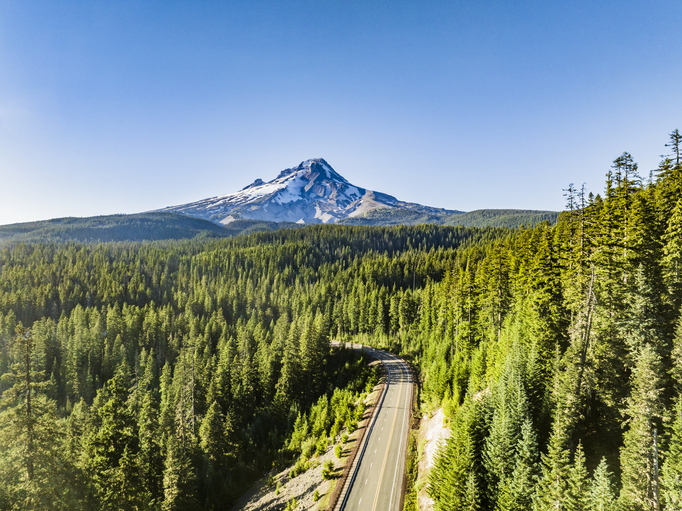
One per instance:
(138, 227)
(158, 226)
(510, 218)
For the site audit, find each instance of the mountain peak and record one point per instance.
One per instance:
(311, 192)
(313, 166)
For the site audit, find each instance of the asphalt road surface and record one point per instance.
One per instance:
(378, 481)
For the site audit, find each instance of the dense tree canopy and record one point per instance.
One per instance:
(174, 373)
(582, 319)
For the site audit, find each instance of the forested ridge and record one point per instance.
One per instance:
(158, 225)
(168, 375)
(152, 226)
(479, 218)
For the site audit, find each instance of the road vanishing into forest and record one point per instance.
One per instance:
(377, 480)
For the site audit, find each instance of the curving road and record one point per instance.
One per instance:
(378, 478)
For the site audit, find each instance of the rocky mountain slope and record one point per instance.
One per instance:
(311, 193)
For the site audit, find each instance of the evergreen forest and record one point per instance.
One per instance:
(171, 374)
(152, 226)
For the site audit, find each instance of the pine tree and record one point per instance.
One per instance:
(577, 495)
(76, 429)
(641, 324)
(166, 408)
(151, 457)
(552, 488)
(472, 499)
(394, 313)
(676, 356)
(111, 451)
(575, 374)
(311, 357)
(24, 392)
(627, 179)
(453, 483)
(602, 496)
(674, 144)
(517, 491)
(179, 478)
(672, 253)
(546, 316)
(33, 467)
(672, 467)
(644, 411)
(511, 411)
(211, 442)
(407, 310)
(288, 386)
(210, 433)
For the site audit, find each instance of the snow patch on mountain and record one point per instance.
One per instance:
(311, 192)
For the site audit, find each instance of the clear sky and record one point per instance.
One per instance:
(126, 106)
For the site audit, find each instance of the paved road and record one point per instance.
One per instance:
(378, 481)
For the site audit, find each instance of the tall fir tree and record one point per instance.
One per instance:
(671, 472)
(33, 466)
(602, 494)
(112, 451)
(517, 491)
(551, 491)
(644, 411)
(577, 495)
(179, 478)
(151, 455)
(672, 253)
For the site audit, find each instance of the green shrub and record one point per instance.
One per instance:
(372, 380)
(320, 418)
(328, 469)
(359, 411)
(298, 469)
(299, 434)
(336, 428)
(338, 450)
(321, 446)
(316, 496)
(308, 448)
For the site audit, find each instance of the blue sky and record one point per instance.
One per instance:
(120, 107)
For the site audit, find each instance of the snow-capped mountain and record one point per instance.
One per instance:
(312, 192)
